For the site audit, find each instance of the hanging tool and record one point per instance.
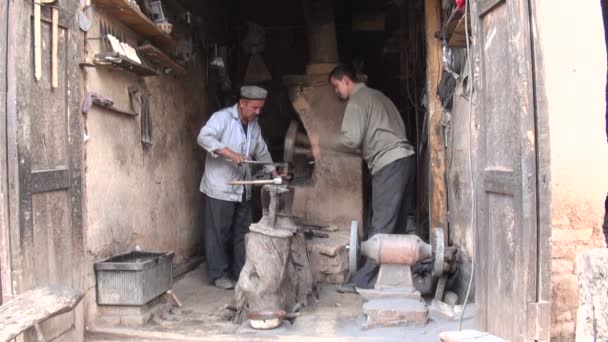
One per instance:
(37, 42)
(37, 38)
(85, 15)
(54, 42)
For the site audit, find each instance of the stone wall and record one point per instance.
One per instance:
(592, 316)
(573, 72)
(135, 195)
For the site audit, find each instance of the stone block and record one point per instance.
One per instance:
(468, 336)
(394, 312)
(563, 332)
(565, 316)
(592, 316)
(131, 316)
(329, 258)
(562, 266)
(564, 292)
(563, 252)
(563, 235)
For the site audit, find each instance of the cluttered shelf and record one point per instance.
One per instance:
(118, 61)
(454, 28)
(137, 21)
(160, 59)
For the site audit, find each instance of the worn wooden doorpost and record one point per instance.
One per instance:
(4, 246)
(510, 251)
(438, 207)
(42, 221)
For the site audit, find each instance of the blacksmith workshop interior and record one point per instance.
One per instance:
(288, 48)
(113, 167)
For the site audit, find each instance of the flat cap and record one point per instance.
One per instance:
(253, 93)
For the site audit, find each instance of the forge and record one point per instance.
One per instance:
(335, 193)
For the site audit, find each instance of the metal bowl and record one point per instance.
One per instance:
(266, 319)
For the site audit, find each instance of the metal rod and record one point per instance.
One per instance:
(256, 182)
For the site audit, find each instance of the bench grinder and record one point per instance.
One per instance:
(395, 254)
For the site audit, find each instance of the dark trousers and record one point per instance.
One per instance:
(393, 188)
(226, 224)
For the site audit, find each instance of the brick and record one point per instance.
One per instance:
(561, 220)
(563, 252)
(394, 312)
(564, 293)
(563, 332)
(571, 234)
(562, 267)
(565, 316)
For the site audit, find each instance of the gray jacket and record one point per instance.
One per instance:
(224, 129)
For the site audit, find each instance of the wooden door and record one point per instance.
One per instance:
(511, 271)
(41, 128)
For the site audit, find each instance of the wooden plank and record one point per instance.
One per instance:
(4, 235)
(137, 21)
(53, 244)
(438, 194)
(506, 227)
(37, 42)
(163, 60)
(543, 179)
(35, 306)
(486, 6)
(455, 32)
(477, 147)
(19, 30)
(50, 180)
(75, 145)
(54, 47)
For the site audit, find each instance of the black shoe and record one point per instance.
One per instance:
(347, 288)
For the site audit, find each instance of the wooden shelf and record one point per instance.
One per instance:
(159, 58)
(455, 31)
(137, 21)
(113, 59)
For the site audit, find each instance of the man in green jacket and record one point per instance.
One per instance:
(373, 127)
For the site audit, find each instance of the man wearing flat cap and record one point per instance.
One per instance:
(231, 136)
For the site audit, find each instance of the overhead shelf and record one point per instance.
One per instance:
(155, 56)
(455, 31)
(115, 60)
(137, 21)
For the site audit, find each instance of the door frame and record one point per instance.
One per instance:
(536, 284)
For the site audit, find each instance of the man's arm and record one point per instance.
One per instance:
(261, 153)
(351, 134)
(352, 130)
(209, 139)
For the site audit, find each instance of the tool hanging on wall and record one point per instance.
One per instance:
(54, 47)
(37, 42)
(85, 15)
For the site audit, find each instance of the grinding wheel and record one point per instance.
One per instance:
(438, 243)
(353, 247)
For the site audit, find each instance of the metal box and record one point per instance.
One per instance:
(133, 278)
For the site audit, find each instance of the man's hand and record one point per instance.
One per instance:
(230, 154)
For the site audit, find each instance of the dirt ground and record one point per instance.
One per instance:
(335, 317)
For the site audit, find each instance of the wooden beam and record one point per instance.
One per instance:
(437, 184)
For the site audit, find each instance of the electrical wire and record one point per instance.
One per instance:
(473, 213)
